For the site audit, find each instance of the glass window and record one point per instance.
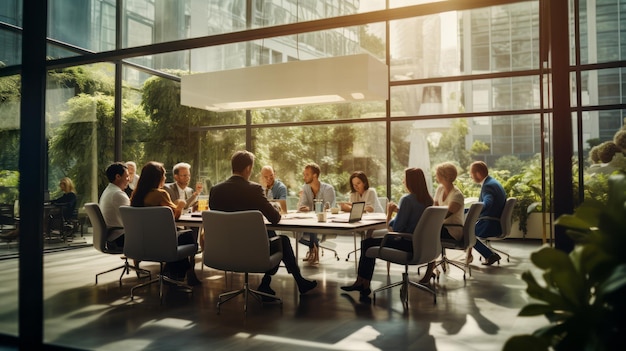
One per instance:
(10, 42)
(602, 38)
(80, 119)
(339, 150)
(10, 48)
(601, 153)
(9, 198)
(603, 87)
(107, 27)
(502, 94)
(214, 152)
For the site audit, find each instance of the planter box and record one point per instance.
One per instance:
(534, 226)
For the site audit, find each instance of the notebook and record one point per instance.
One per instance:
(355, 213)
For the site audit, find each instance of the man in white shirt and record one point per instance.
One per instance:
(111, 199)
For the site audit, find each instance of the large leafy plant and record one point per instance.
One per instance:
(583, 294)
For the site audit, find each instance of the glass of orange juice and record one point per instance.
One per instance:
(203, 203)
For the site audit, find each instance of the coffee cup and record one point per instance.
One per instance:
(334, 210)
(321, 217)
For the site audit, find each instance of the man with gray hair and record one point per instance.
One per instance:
(180, 188)
(133, 177)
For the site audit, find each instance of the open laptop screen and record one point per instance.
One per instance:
(356, 212)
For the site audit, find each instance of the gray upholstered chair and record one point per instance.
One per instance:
(426, 248)
(238, 242)
(100, 233)
(469, 239)
(506, 221)
(150, 235)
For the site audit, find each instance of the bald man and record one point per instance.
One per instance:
(273, 188)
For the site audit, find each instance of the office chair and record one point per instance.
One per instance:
(150, 235)
(506, 221)
(469, 239)
(426, 247)
(238, 242)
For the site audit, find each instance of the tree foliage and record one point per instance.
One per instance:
(86, 136)
(451, 145)
(9, 122)
(172, 138)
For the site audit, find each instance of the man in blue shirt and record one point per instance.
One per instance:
(273, 188)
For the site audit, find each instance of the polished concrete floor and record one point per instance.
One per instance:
(477, 314)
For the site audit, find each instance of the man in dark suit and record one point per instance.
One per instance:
(237, 193)
(493, 197)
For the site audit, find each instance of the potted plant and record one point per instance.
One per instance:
(526, 186)
(583, 294)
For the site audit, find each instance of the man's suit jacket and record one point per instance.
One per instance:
(172, 189)
(239, 194)
(493, 197)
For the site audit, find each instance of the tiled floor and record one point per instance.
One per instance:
(479, 314)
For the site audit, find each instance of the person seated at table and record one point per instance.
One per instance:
(62, 210)
(111, 199)
(180, 189)
(447, 194)
(150, 192)
(133, 177)
(313, 190)
(273, 188)
(68, 199)
(250, 197)
(409, 211)
(493, 197)
(360, 191)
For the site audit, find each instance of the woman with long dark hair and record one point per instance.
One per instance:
(409, 211)
(150, 192)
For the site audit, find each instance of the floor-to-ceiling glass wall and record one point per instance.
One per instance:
(10, 54)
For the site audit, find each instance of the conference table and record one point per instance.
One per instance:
(306, 222)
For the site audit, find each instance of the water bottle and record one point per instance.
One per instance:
(319, 205)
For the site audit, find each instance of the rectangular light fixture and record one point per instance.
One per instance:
(320, 81)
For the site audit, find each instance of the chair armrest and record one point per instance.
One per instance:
(180, 232)
(390, 235)
(489, 218)
(274, 238)
(276, 244)
(112, 229)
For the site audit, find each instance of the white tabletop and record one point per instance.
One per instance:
(299, 222)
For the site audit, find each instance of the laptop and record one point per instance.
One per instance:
(355, 213)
